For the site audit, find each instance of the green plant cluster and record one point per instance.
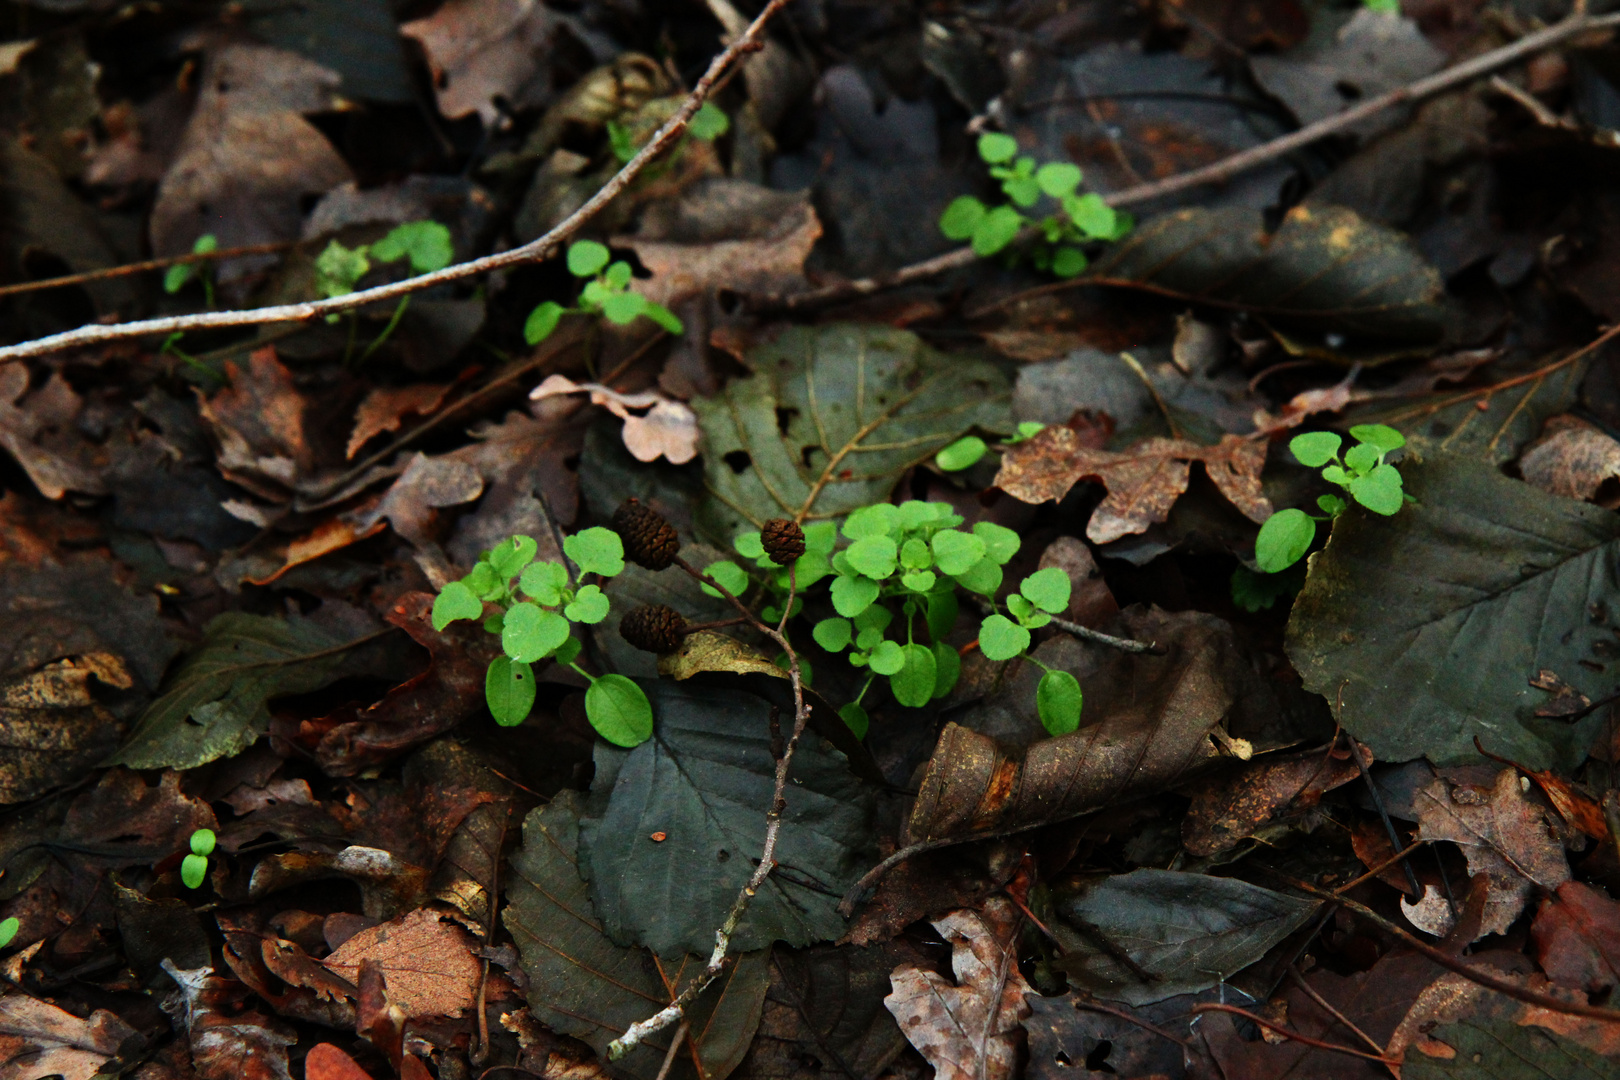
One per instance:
(894, 594)
(1363, 473)
(194, 867)
(534, 620)
(708, 124)
(425, 243)
(606, 294)
(1078, 220)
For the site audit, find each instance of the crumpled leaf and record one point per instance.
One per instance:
(521, 458)
(159, 817)
(704, 782)
(480, 50)
(668, 429)
(1421, 654)
(584, 985)
(1143, 482)
(1226, 809)
(259, 422)
(427, 960)
(385, 408)
(215, 705)
(832, 417)
(1324, 269)
(1188, 931)
(1505, 836)
(227, 1042)
(52, 728)
(39, 1039)
(1577, 938)
(1572, 458)
(53, 473)
(967, 1031)
(389, 886)
(427, 485)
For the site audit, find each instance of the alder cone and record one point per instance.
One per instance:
(782, 540)
(649, 540)
(654, 628)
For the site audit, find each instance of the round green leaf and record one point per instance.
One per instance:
(961, 454)
(8, 928)
(590, 605)
(958, 221)
(957, 552)
(567, 652)
(1284, 539)
(920, 581)
(1331, 504)
(509, 689)
(427, 243)
(709, 122)
(996, 230)
(874, 556)
(531, 632)
(193, 870)
(1361, 458)
(175, 277)
(203, 841)
(619, 711)
(596, 551)
(1379, 491)
(853, 595)
(622, 308)
(879, 519)
(587, 257)
(1058, 178)
(820, 537)
(1067, 262)
(729, 576)
(887, 658)
(1058, 700)
(916, 555)
(913, 684)
(1315, 448)
(1048, 589)
(947, 669)
(618, 274)
(832, 634)
(852, 715)
(1382, 436)
(1000, 542)
(749, 546)
(544, 582)
(806, 675)
(984, 578)
(1092, 216)
(995, 147)
(510, 557)
(1022, 190)
(1001, 639)
(455, 601)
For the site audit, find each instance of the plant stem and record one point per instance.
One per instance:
(399, 313)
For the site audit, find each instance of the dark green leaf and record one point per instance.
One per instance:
(509, 690)
(1190, 931)
(941, 613)
(947, 669)
(706, 782)
(1430, 625)
(855, 716)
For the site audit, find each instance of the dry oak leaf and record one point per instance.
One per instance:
(1143, 482)
(427, 961)
(668, 429)
(1571, 458)
(259, 422)
(39, 1039)
(385, 409)
(1504, 836)
(228, 1042)
(52, 729)
(20, 425)
(968, 1031)
(1227, 809)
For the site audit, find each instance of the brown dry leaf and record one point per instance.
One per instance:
(1572, 458)
(426, 486)
(428, 963)
(1227, 809)
(21, 426)
(385, 409)
(259, 422)
(1370, 842)
(967, 1031)
(1505, 836)
(1577, 938)
(39, 1039)
(326, 1062)
(160, 818)
(52, 729)
(480, 50)
(668, 429)
(1305, 404)
(519, 458)
(1143, 482)
(248, 157)
(325, 538)
(228, 1042)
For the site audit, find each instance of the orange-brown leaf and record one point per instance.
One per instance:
(428, 963)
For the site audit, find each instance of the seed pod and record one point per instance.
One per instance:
(653, 628)
(782, 540)
(649, 540)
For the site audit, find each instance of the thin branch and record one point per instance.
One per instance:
(130, 269)
(1224, 169)
(1295, 1036)
(534, 251)
(1086, 633)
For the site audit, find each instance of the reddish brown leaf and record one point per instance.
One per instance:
(1572, 458)
(1577, 938)
(1143, 482)
(159, 817)
(259, 422)
(55, 466)
(228, 1041)
(427, 961)
(326, 1062)
(1226, 809)
(385, 409)
(39, 1039)
(326, 538)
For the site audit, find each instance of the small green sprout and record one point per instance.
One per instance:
(1078, 220)
(967, 451)
(338, 269)
(194, 867)
(606, 294)
(1363, 474)
(534, 620)
(708, 124)
(176, 277)
(8, 930)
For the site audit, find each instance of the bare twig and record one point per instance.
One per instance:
(1086, 633)
(1293, 1035)
(1091, 1004)
(1226, 168)
(676, 1010)
(1310, 991)
(534, 251)
(130, 269)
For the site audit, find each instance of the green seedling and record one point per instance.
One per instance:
(194, 867)
(967, 451)
(606, 294)
(176, 277)
(708, 124)
(536, 606)
(338, 269)
(1078, 219)
(8, 930)
(1363, 474)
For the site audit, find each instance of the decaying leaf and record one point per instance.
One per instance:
(259, 422)
(228, 1042)
(831, 418)
(385, 408)
(584, 985)
(1488, 1036)
(667, 429)
(529, 486)
(427, 959)
(1577, 938)
(39, 1039)
(1496, 581)
(1505, 837)
(481, 50)
(1228, 808)
(51, 727)
(427, 485)
(53, 473)
(1573, 458)
(969, 1030)
(1143, 482)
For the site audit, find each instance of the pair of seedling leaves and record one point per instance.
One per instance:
(535, 622)
(911, 559)
(990, 229)
(1363, 474)
(606, 294)
(425, 243)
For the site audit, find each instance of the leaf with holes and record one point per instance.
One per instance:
(831, 418)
